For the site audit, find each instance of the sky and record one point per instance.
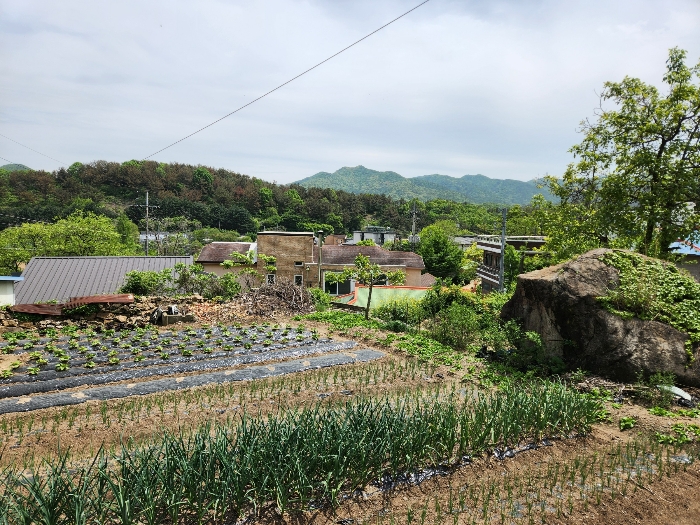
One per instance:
(455, 87)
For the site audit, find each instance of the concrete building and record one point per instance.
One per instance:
(690, 256)
(7, 289)
(488, 271)
(378, 234)
(294, 252)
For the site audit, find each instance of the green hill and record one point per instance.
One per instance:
(363, 180)
(469, 188)
(15, 167)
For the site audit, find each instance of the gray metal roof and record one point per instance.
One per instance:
(60, 278)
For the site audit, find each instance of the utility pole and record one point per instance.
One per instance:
(320, 256)
(414, 215)
(147, 224)
(501, 261)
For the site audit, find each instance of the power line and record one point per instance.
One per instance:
(7, 160)
(289, 81)
(35, 151)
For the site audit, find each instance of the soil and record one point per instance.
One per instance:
(85, 428)
(7, 359)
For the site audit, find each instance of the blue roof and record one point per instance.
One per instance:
(685, 248)
(11, 278)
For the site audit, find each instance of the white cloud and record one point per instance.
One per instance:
(455, 87)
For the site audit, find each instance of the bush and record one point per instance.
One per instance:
(322, 300)
(407, 311)
(147, 282)
(183, 279)
(653, 289)
(457, 326)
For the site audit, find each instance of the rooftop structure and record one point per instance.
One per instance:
(60, 278)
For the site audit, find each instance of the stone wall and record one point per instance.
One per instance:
(116, 316)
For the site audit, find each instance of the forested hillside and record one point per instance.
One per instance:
(214, 197)
(469, 188)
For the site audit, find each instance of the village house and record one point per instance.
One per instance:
(214, 253)
(60, 278)
(297, 259)
(7, 289)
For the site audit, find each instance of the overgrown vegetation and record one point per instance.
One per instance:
(652, 289)
(471, 325)
(182, 279)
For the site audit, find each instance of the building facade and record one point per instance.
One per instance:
(489, 270)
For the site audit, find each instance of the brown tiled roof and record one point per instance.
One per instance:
(345, 255)
(218, 252)
(427, 279)
(60, 278)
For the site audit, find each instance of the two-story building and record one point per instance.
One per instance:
(489, 270)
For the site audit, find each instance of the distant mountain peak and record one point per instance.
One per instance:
(467, 188)
(15, 167)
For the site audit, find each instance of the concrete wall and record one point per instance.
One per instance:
(7, 292)
(412, 277)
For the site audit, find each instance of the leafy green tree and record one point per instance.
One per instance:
(471, 258)
(367, 273)
(202, 178)
(80, 234)
(128, 231)
(441, 255)
(638, 165)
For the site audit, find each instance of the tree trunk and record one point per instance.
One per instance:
(369, 299)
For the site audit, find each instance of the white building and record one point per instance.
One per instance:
(378, 234)
(7, 289)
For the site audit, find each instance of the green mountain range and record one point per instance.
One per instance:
(14, 167)
(469, 188)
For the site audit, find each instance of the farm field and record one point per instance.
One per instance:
(421, 434)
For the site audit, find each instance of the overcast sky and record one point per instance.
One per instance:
(455, 87)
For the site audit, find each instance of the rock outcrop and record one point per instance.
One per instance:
(560, 303)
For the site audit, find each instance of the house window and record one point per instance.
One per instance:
(338, 288)
(270, 278)
(299, 280)
(298, 263)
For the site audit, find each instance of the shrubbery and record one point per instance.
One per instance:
(653, 289)
(470, 322)
(182, 280)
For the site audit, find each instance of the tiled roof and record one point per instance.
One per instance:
(218, 252)
(60, 278)
(345, 255)
(427, 279)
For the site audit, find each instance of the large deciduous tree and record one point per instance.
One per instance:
(80, 234)
(638, 166)
(442, 256)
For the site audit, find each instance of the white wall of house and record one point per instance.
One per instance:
(7, 292)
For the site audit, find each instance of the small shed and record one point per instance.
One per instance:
(7, 289)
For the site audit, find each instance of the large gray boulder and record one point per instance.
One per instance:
(560, 303)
